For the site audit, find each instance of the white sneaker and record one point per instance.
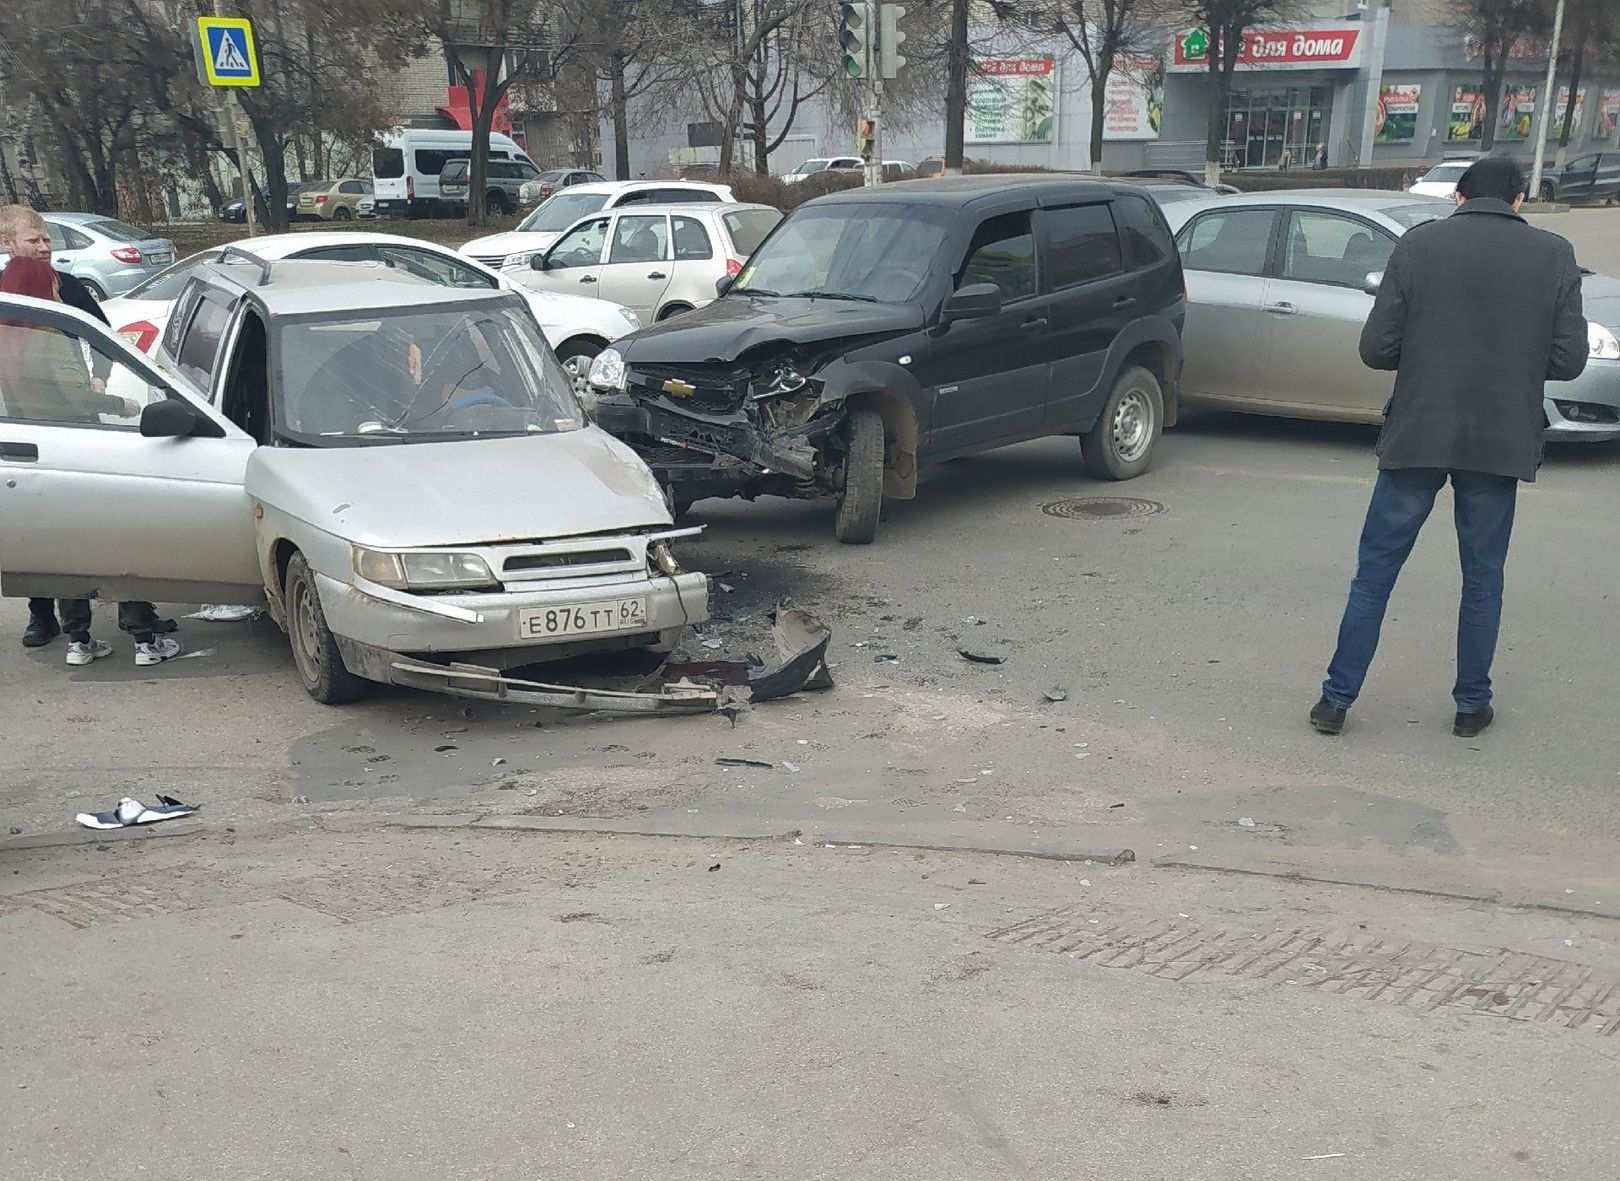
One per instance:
(160, 649)
(87, 652)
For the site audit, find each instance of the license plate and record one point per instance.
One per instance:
(544, 623)
(165, 256)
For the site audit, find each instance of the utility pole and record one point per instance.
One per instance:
(956, 86)
(869, 37)
(228, 59)
(1544, 103)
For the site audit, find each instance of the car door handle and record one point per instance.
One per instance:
(1033, 324)
(588, 279)
(1125, 301)
(21, 452)
(64, 260)
(1281, 309)
(658, 275)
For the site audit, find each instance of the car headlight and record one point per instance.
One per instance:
(411, 570)
(630, 318)
(1601, 343)
(515, 262)
(607, 371)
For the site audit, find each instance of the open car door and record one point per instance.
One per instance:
(90, 507)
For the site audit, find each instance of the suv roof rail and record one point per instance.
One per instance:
(232, 252)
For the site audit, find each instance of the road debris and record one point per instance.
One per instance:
(790, 768)
(801, 644)
(714, 867)
(980, 657)
(449, 746)
(734, 762)
(130, 812)
(1245, 821)
(227, 613)
(1055, 694)
(885, 658)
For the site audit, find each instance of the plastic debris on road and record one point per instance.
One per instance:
(131, 812)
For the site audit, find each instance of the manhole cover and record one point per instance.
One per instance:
(1093, 508)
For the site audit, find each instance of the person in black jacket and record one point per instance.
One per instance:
(24, 234)
(1475, 314)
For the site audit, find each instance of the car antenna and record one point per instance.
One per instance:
(246, 255)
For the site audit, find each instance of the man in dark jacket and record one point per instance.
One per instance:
(24, 234)
(1475, 314)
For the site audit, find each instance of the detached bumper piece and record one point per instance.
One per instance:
(488, 684)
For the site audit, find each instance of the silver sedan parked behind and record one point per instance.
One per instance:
(1280, 284)
(109, 255)
(656, 260)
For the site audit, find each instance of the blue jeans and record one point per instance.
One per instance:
(1401, 502)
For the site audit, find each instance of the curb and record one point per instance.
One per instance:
(100, 836)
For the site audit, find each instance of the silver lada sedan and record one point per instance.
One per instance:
(1280, 284)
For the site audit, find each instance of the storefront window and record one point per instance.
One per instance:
(1262, 124)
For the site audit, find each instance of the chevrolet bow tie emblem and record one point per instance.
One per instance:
(679, 389)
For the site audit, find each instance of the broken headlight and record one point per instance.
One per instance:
(410, 570)
(780, 378)
(607, 370)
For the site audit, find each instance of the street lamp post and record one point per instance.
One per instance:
(1544, 104)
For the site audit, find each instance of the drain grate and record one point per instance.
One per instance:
(1101, 508)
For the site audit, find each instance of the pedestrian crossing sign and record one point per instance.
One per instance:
(225, 51)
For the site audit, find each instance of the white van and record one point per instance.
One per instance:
(406, 163)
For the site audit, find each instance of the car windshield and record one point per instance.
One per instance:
(118, 231)
(553, 176)
(167, 284)
(811, 166)
(419, 374)
(556, 213)
(878, 251)
(1410, 216)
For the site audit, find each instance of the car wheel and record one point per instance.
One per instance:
(315, 651)
(95, 290)
(861, 499)
(1549, 191)
(576, 357)
(495, 204)
(1122, 444)
(341, 213)
(673, 310)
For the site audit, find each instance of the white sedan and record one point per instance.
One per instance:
(577, 327)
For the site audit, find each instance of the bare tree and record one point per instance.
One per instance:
(1496, 28)
(1594, 27)
(1224, 26)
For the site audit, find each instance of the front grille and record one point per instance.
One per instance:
(594, 557)
(493, 261)
(665, 455)
(716, 387)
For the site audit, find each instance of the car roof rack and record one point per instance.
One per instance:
(248, 256)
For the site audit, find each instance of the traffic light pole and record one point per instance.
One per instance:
(873, 147)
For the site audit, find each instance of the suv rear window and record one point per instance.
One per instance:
(431, 161)
(455, 170)
(388, 163)
(1145, 231)
(200, 345)
(1082, 245)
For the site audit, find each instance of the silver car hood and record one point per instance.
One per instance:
(474, 491)
(1600, 300)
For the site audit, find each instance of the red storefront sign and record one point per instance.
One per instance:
(1337, 47)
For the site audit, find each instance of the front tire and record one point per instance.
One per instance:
(341, 213)
(576, 357)
(1122, 444)
(495, 204)
(315, 651)
(861, 499)
(1549, 191)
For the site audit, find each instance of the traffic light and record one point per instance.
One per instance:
(866, 139)
(855, 36)
(889, 39)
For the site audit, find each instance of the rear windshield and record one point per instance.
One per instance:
(554, 175)
(1409, 216)
(555, 214)
(118, 231)
(749, 227)
(388, 163)
(1446, 172)
(456, 169)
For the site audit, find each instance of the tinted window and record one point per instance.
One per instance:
(682, 196)
(1582, 164)
(388, 163)
(1146, 233)
(201, 343)
(168, 284)
(456, 170)
(352, 187)
(527, 171)
(357, 253)
(640, 239)
(1003, 253)
(1327, 248)
(691, 239)
(1233, 241)
(749, 227)
(1082, 245)
(435, 268)
(432, 160)
(118, 231)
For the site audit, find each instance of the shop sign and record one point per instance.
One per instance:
(1397, 117)
(1557, 128)
(1011, 100)
(1608, 116)
(1331, 47)
(1518, 115)
(1135, 99)
(1467, 115)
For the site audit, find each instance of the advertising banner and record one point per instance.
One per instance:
(1557, 128)
(1467, 114)
(1135, 99)
(1333, 47)
(1608, 116)
(1518, 117)
(1011, 100)
(1397, 113)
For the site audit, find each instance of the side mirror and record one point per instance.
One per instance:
(973, 302)
(1373, 281)
(537, 262)
(723, 284)
(174, 419)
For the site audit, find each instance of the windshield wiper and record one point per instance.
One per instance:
(835, 295)
(754, 291)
